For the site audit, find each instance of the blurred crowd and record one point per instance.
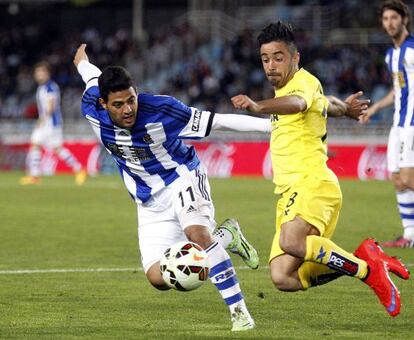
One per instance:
(176, 61)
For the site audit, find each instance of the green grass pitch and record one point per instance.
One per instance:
(69, 230)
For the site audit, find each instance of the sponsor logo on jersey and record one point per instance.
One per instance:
(342, 264)
(147, 139)
(196, 121)
(129, 153)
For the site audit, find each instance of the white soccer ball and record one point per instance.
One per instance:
(184, 266)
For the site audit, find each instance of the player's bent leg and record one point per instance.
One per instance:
(284, 273)
(200, 235)
(68, 157)
(154, 277)
(314, 274)
(293, 236)
(229, 233)
(223, 276)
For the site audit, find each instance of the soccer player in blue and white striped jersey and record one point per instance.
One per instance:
(395, 18)
(144, 134)
(48, 129)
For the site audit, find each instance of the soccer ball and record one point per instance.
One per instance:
(184, 266)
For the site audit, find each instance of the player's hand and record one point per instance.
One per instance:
(243, 102)
(366, 117)
(80, 55)
(356, 107)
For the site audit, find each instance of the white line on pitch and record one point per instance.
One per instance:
(82, 270)
(98, 270)
(68, 270)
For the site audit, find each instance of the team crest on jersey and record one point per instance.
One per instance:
(148, 139)
(113, 148)
(196, 121)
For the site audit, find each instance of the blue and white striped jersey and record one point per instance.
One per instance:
(150, 155)
(45, 93)
(400, 62)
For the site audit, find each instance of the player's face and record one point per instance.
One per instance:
(279, 62)
(122, 107)
(41, 75)
(393, 23)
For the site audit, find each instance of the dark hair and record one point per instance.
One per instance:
(278, 32)
(400, 7)
(114, 79)
(42, 64)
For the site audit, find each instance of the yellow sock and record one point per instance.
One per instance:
(313, 274)
(324, 251)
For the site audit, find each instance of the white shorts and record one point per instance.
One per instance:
(163, 219)
(400, 150)
(47, 135)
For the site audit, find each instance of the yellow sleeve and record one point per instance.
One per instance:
(301, 86)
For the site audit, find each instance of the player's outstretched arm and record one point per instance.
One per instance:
(382, 103)
(87, 70)
(352, 107)
(281, 105)
(240, 123)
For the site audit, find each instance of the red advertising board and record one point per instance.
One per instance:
(222, 159)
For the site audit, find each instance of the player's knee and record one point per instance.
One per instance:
(155, 278)
(291, 244)
(159, 285)
(406, 181)
(280, 281)
(200, 235)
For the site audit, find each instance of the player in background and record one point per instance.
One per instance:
(395, 19)
(144, 134)
(48, 129)
(302, 253)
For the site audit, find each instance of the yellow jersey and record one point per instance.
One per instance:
(298, 141)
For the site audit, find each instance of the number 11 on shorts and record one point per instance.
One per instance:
(185, 195)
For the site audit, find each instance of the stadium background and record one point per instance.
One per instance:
(69, 265)
(200, 51)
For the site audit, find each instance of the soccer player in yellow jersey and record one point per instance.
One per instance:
(302, 253)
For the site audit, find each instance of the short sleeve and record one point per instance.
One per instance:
(302, 87)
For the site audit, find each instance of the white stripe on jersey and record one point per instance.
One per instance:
(396, 85)
(123, 137)
(157, 133)
(130, 184)
(409, 67)
(124, 140)
(403, 82)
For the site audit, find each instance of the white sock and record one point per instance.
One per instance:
(223, 237)
(405, 201)
(65, 155)
(409, 233)
(223, 276)
(33, 162)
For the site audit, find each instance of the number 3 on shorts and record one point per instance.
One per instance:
(186, 196)
(291, 199)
